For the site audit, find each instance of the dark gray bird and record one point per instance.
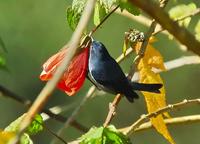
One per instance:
(105, 73)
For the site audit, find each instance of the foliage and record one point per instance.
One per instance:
(153, 59)
(101, 135)
(2, 62)
(34, 128)
(197, 30)
(181, 11)
(102, 8)
(2, 45)
(2, 59)
(5, 136)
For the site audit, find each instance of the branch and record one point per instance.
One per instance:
(89, 94)
(170, 107)
(7, 93)
(112, 109)
(146, 21)
(193, 13)
(171, 121)
(104, 19)
(179, 62)
(92, 90)
(163, 18)
(50, 86)
(173, 64)
(113, 105)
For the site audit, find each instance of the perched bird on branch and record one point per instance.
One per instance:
(105, 73)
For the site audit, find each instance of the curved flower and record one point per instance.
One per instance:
(74, 75)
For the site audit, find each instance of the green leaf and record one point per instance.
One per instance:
(181, 11)
(3, 45)
(197, 31)
(74, 13)
(33, 128)
(107, 4)
(125, 45)
(73, 17)
(101, 135)
(36, 125)
(115, 137)
(93, 136)
(79, 5)
(99, 13)
(2, 62)
(25, 139)
(124, 4)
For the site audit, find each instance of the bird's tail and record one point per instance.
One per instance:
(131, 95)
(147, 87)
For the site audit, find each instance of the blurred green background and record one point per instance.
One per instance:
(34, 30)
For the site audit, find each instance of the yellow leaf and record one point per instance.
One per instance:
(153, 59)
(5, 136)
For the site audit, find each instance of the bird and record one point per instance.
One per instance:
(106, 74)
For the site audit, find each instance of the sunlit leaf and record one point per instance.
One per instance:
(180, 11)
(36, 125)
(33, 128)
(25, 139)
(197, 31)
(74, 12)
(153, 59)
(125, 4)
(73, 17)
(5, 136)
(101, 135)
(99, 13)
(125, 46)
(107, 4)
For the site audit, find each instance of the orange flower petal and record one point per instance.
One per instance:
(75, 74)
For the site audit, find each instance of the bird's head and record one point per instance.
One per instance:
(98, 50)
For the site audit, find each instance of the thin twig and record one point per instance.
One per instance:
(193, 13)
(50, 131)
(90, 92)
(147, 37)
(104, 19)
(146, 21)
(114, 104)
(92, 89)
(160, 111)
(171, 121)
(179, 62)
(112, 109)
(7, 93)
(50, 86)
(74, 113)
(180, 33)
(55, 135)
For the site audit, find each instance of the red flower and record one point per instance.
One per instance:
(75, 74)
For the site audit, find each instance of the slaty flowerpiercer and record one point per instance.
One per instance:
(105, 73)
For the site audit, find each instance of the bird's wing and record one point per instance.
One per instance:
(108, 73)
